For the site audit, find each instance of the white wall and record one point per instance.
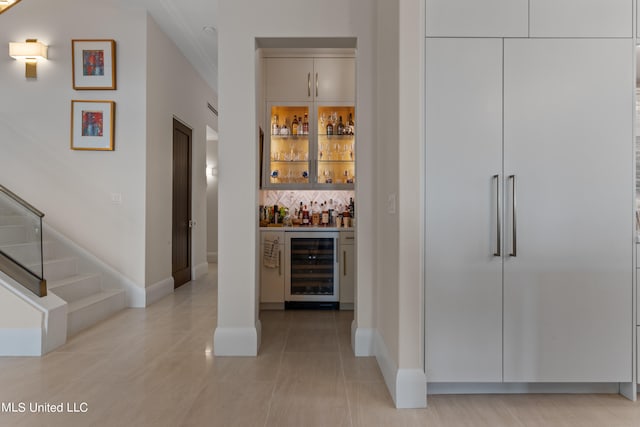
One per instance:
(74, 188)
(174, 89)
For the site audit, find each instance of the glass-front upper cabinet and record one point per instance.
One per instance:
(288, 152)
(310, 145)
(335, 151)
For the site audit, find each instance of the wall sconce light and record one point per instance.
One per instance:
(30, 51)
(6, 4)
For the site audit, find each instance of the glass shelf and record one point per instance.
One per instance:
(291, 137)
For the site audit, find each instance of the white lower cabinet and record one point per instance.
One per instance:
(529, 194)
(347, 270)
(272, 249)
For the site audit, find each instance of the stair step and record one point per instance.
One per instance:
(77, 287)
(60, 268)
(10, 234)
(95, 308)
(29, 253)
(12, 219)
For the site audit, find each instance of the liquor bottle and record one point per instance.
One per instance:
(329, 127)
(351, 125)
(305, 216)
(340, 127)
(294, 125)
(305, 125)
(284, 130)
(325, 214)
(275, 129)
(300, 213)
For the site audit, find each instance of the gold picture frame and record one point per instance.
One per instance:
(93, 125)
(94, 64)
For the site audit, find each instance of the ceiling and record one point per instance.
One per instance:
(191, 24)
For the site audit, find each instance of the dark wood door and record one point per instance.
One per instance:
(181, 230)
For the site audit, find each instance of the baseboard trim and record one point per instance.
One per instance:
(406, 386)
(158, 291)
(411, 389)
(212, 257)
(362, 341)
(629, 390)
(236, 341)
(200, 270)
(522, 388)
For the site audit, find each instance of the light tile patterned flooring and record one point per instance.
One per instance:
(153, 367)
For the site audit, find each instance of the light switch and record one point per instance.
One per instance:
(116, 198)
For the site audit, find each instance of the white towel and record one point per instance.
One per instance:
(271, 250)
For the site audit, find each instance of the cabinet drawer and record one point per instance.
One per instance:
(347, 238)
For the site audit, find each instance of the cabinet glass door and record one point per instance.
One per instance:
(336, 145)
(289, 152)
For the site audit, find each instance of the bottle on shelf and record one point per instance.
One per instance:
(284, 130)
(294, 125)
(305, 216)
(325, 215)
(329, 127)
(350, 125)
(305, 125)
(341, 127)
(315, 214)
(275, 129)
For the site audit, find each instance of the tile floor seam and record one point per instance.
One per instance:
(344, 377)
(275, 383)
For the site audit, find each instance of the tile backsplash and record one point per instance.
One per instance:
(292, 198)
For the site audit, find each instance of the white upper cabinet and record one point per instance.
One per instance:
(477, 18)
(289, 79)
(335, 79)
(581, 18)
(310, 79)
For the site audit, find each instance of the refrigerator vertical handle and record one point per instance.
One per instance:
(316, 85)
(498, 251)
(280, 263)
(309, 85)
(514, 242)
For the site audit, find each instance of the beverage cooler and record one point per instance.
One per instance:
(311, 270)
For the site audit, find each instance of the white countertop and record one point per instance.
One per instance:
(306, 228)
